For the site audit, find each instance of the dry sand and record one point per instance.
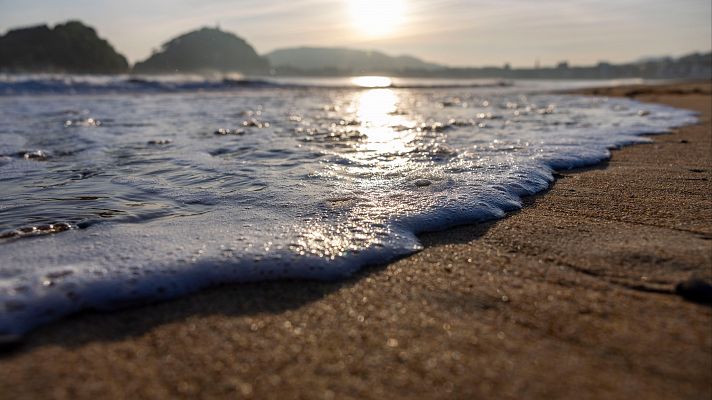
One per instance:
(572, 297)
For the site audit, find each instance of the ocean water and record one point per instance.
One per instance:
(117, 191)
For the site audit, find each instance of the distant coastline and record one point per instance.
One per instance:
(694, 66)
(74, 47)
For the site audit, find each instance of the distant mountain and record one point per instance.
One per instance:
(71, 47)
(344, 60)
(204, 50)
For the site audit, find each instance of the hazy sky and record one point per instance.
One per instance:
(454, 32)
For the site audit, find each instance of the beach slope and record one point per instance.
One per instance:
(571, 297)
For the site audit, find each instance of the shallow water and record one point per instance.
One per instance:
(109, 197)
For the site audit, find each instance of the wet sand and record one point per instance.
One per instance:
(571, 297)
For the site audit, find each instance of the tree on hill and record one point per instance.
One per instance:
(71, 47)
(204, 50)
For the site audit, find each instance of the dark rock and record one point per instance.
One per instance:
(159, 141)
(225, 131)
(422, 182)
(35, 155)
(695, 290)
(253, 123)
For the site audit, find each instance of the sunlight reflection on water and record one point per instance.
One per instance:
(377, 111)
(372, 81)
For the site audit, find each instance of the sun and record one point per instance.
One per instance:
(377, 17)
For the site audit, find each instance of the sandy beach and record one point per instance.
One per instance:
(571, 297)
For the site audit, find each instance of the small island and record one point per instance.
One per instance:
(204, 51)
(71, 47)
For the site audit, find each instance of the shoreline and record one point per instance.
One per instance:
(567, 296)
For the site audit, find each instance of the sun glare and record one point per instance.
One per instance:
(377, 17)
